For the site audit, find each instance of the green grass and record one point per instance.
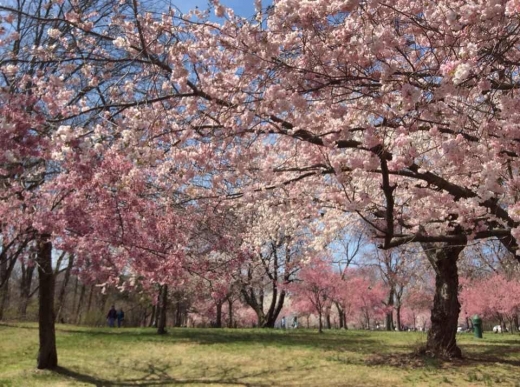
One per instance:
(202, 357)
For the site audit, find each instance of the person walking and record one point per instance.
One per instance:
(112, 316)
(120, 318)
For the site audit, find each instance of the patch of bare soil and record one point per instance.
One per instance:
(398, 360)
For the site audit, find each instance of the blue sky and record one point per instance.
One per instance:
(244, 8)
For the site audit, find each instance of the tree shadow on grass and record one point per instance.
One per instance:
(473, 356)
(157, 375)
(333, 341)
(492, 353)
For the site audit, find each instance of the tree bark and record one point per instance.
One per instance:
(8, 259)
(178, 314)
(76, 283)
(152, 317)
(230, 312)
(80, 303)
(63, 289)
(161, 326)
(47, 355)
(390, 315)
(4, 282)
(89, 302)
(273, 313)
(320, 323)
(398, 317)
(441, 340)
(340, 316)
(4, 299)
(218, 323)
(25, 289)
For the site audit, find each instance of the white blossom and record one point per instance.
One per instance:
(54, 33)
(461, 73)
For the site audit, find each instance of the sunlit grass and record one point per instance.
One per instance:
(139, 357)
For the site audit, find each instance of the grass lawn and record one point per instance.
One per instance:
(246, 357)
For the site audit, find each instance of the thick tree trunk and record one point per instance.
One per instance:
(47, 355)
(327, 319)
(218, 323)
(341, 316)
(441, 340)
(398, 317)
(320, 323)
(389, 321)
(63, 289)
(272, 314)
(161, 326)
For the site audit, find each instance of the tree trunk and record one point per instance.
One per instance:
(76, 283)
(63, 289)
(25, 289)
(327, 318)
(341, 316)
(230, 312)
(390, 315)
(4, 298)
(80, 303)
(4, 283)
(275, 309)
(320, 323)
(152, 317)
(218, 323)
(441, 340)
(178, 314)
(161, 326)
(398, 317)
(8, 259)
(47, 355)
(89, 302)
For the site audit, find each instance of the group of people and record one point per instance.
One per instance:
(294, 323)
(115, 315)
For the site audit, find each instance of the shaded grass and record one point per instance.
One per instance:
(191, 357)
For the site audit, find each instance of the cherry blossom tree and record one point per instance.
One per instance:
(279, 245)
(494, 298)
(402, 113)
(315, 286)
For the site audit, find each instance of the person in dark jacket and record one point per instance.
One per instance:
(111, 316)
(120, 318)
